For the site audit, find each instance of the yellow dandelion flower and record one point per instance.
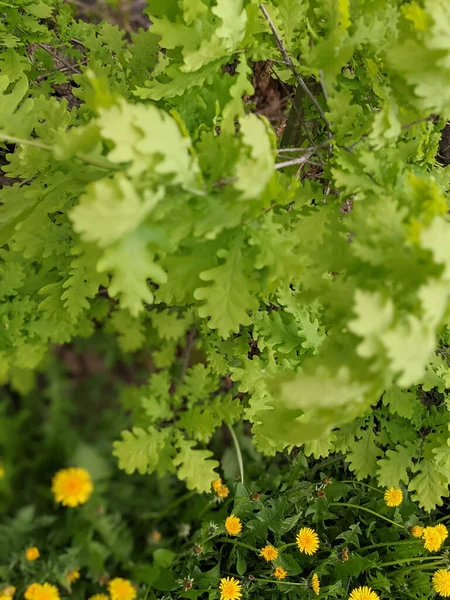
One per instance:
(99, 597)
(233, 525)
(393, 496)
(230, 589)
(216, 484)
(441, 582)
(269, 553)
(72, 576)
(72, 486)
(364, 593)
(121, 589)
(432, 539)
(7, 592)
(315, 584)
(307, 540)
(280, 573)
(222, 491)
(32, 553)
(417, 531)
(31, 591)
(442, 531)
(45, 591)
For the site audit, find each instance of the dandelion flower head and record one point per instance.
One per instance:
(121, 589)
(363, 593)
(216, 484)
(393, 496)
(442, 531)
(72, 486)
(269, 553)
(417, 531)
(230, 589)
(307, 540)
(32, 553)
(280, 573)
(44, 591)
(72, 576)
(233, 525)
(99, 597)
(432, 539)
(441, 582)
(315, 584)
(222, 491)
(7, 592)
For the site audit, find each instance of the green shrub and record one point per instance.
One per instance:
(290, 277)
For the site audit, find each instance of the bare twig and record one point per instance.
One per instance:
(187, 354)
(322, 85)
(63, 70)
(301, 160)
(305, 150)
(309, 162)
(62, 60)
(297, 109)
(408, 125)
(291, 66)
(274, 60)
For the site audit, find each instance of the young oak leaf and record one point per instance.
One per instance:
(255, 167)
(241, 86)
(131, 263)
(363, 454)
(394, 467)
(195, 466)
(140, 450)
(229, 298)
(110, 209)
(429, 486)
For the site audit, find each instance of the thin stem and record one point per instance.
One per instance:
(284, 546)
(325, 463)
(170, 507)
(279, 582)
(372, 512)
(411, 559)
(431, 566)
(400, 543)
(309, 149)
(290, 64)
(238, 543)
(371, 487)
(301, 160)
(443, 519)
(16, 140)
(60, 58)
(187, 353)
(96, 162)
(238, 452)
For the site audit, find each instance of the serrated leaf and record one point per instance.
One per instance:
(363, 454)
(394, 467)
(140, 450)
(429, 486)
(131, 263)
(320, 447)
(195, 466)
(229, 298)
(401, 402)
(255, 166)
